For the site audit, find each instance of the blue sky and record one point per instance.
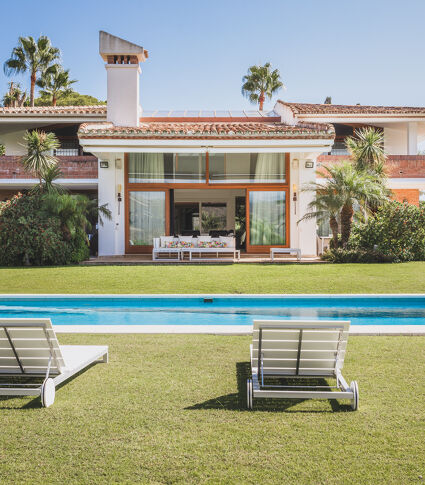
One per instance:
(368, 52)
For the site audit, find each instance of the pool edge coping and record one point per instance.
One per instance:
(377, 330)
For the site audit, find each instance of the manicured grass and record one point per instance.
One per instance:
(167, 409)
(241, 278)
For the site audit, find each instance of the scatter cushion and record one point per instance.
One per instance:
(186, 244)
(165, 240)
(211, 244)
(172, 244)
(228, 241)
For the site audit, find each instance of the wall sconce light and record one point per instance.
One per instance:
(119, 197)
(294, 197)
(118, 163)
(104, 164)
(309, 164)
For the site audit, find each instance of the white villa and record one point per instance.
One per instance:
(195, 172)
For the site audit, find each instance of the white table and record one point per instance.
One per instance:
(274, 251)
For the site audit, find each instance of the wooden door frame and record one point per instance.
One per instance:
(165, 187)
(266, 248)
(144, 249)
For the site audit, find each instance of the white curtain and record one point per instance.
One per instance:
(147, 217)
(267, 218)
(146, 167)
(270, 167)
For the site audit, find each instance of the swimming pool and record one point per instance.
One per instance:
(214, 310)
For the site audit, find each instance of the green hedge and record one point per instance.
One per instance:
(396, 232)
(29, 236)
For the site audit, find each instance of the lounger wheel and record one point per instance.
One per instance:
(249, 394)
(47, 393)
(355, 401)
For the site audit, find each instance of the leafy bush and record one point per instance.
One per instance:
(396, 230)
(32, 235)
(356, 256)
(27, 237)
(2, 149)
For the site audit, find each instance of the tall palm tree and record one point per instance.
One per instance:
(259, 82)
(38, 160)
(344, 188)
(35, 56)
(55, 83)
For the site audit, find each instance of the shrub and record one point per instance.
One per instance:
(30, 235)
(27, 237)
(396, 231)
(356, 256)
(2, 149)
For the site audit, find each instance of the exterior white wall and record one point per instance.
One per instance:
(395, 139)
(303, 235)
(112, 233)
(13, 142)
(123, 94)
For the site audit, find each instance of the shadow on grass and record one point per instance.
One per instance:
(238, 401)
(35, 402)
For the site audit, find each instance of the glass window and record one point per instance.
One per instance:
(267, 218)
(166, 168)
(213, 216)
(147, 217)
(260, 168)
(422, 196)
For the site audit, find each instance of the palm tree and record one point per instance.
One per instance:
(260, 82)
(48, 184)
(34, 56)
(345, 188)
(15, 96)
(367, 149)
(55, 83)
(38, 159)
(75, 212)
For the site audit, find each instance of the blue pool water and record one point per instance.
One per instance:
(222, 310)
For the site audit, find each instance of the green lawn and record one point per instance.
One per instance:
(241, 278)
(166, 409)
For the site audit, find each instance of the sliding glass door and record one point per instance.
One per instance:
(267, 214)
(148, 218)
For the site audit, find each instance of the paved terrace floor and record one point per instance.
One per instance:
(145, 259)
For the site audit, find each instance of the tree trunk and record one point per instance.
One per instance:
(261, 100)
(32, 89)
(54, 100)
(346, 221)
(334, 228)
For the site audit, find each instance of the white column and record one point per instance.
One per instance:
(412, 138)
(304, 234)
(112, 233)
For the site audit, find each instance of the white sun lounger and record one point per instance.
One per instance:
(301, 351)
(32, 363)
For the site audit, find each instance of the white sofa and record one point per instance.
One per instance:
(195, 246)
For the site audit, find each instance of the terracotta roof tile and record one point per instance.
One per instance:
(193, 130)
(340, 109)
(54, 110)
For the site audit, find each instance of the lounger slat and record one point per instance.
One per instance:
(304, 354)
(292, 335)
(293, 344)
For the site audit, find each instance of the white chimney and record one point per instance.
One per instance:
(122, 66)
